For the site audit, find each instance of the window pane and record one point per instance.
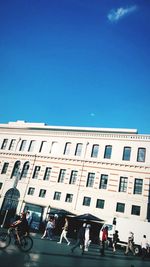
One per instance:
(95, 150)
(31, 191)
(47, 173)
(78, 149)
(120, 207)
(69, 198)
(31, 146)
(43, 146)
(23, 145)
(67, 149)
(108, 150)
(12, 144)
(135, 210)
(100, 203)
(5, 168)
(73, 177)
(90, 180)
(123, 184)
(42, 193)
(57, 195)
(36, 172)
(61, 176)
(54, 148)
(138, 185)
(126, 153)
(103, 181)
(86, 201)
(141, 154)
(4, 144)
(25, 170)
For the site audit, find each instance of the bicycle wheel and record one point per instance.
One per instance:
(26, 243)
(4, 240)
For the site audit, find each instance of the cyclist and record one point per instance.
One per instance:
(21, 226)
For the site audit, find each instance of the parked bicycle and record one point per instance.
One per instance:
(25, 244)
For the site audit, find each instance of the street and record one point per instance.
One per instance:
(47, 253)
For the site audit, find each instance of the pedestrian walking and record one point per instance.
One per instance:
(87, 237)
(144, 246)
(130, 244)
(115, 240)
(103, 240)
(29, 218)
(80, 239)
(48, 233)
(64, 233)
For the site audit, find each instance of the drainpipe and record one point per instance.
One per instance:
(83, 162)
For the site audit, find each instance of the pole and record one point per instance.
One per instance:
(81, 175)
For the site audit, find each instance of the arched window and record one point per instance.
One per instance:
(15, 171)
(25, 170)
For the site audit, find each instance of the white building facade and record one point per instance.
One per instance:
(105, 172)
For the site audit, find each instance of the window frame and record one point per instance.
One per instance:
(120, 207)
(90, 179)
(126, 153)
(108, 152)
(103, 181)
(95, 151)
(141, 154)
(86, 201)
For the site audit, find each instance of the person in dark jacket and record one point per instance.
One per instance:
(80, 238)
(115, 240)
(21, 226)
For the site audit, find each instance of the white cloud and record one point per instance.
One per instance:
(115, 15)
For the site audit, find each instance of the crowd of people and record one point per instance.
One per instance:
(84, 238)
(22, 226)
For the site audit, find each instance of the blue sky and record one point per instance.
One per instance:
(76, 62)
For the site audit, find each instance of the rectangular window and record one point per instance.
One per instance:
(5, 168)
(86, 201)
(73, 177)
(90, 179)
(43, 146)
(54, 148)
(126, 153)
(95, 150)
(47, 173)
(31, 146)
(36, 172)
(120, 207)
(103, 181)
(141, 154)
(1, 184)
(138, 185)
(100, 203)
(57, 196)
(31, 191)
(67, 149)
(61, 176)
(135, 210)
(108, 151)
(12, 144)
(123, 184)
(78, 149)
(23, 145)
(42, 193)
(4, 144)
(69, 198)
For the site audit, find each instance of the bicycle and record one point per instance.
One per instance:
(25, 244)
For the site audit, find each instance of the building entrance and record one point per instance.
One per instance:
(9, 206)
